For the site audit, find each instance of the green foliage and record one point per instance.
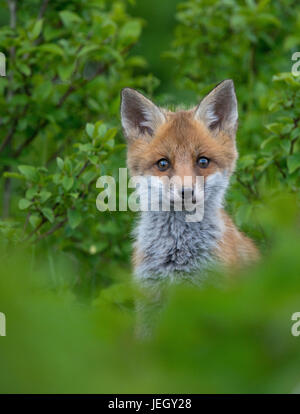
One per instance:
(69, 302)
(274, 167)
(67, 62)
(234, 339)
(280, 151)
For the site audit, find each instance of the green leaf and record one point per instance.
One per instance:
(286, 77)
(65, 71)
(67, 182)
(31, 192)
(48, 213)
(243, 213)
(94, 159)
(25, 69)
(29, 172)
(110, 134)
(88, 49)
(35, 220)
(42, 91)
(295, 133)
(275, 127)
(36, 30)
(246, 161)
(293, 162)
(69, 18)
(285, 145)
(85, 147)
(23, 204)
(51, 48)
(45, 195)
(101, 129)
(268, 141)
(13, 175)
(90, 128)
(130, 31)
(74, 218)
(68, 165)
(89, 176)
(56, 178)
(60, 163)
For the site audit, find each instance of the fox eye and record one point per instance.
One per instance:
(163, 164)
(203, 162)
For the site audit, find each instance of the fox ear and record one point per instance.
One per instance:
(140, 117)
(218, 110)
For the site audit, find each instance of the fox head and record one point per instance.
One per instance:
(183, 145)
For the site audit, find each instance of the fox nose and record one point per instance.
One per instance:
(187, 192)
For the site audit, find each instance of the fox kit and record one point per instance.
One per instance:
(199, 142)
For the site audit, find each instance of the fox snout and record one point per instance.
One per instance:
(183, 194)
(182, 188)
(188, 193)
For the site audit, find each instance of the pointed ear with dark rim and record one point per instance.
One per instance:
(139, 116)
(218, 110)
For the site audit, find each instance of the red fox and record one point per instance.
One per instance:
(186, 143)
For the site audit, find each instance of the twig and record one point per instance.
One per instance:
(247, 186)
(10, 134)
(280, 169)
(35, 230)
(58, 151)
(30, 139)
(12, 4)
(68, 92)
(65, 96)
(43, 8)
(26, 221)
(293, 142)
(52, 230)
(86, 164)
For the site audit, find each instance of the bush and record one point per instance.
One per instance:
(67, 66)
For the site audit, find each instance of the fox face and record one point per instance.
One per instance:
(179, 147)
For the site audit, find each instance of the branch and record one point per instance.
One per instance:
(35, 230)
(293, 142)
(52, 230)
(247, 186)
(280, 169)
(68, 92)
(86, 164)
(12, 4)
(58, 151)
(30, 139)
(10, 134)
(43, 8)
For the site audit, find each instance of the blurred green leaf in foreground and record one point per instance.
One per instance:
(234, 337)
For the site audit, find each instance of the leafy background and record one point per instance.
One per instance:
(65, 282)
